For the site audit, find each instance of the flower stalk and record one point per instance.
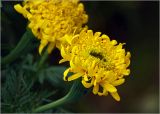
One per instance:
(76, 91)
(16, 52)
(42, 60)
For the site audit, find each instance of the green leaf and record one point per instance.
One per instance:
(18, 93)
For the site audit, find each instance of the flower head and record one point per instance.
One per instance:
(101, 63)
(50, 20)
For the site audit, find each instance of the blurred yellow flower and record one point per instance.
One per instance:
(101, 63)
(50, 20)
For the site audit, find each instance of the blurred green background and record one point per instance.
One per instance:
(135, 23)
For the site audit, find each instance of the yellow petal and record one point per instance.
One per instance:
(95, 82)
(118, 82)
(96, 89)
(90, 33)
(72, 64)
(74, 32)
(80, 7)
(126, 72)
(93, 64)
(127, 62)
(50, 47)
(113, 42)
(87, 85)
(107, 74)
(97, 34)
(86, 63)
(106, 37)
(63, 54)
(41, 48)
(58, 44)
(62, 60)
(110, 88)
(91, 69)
(21, 10)
(77, 60)
(85, 77)
(37, 1)
(74, 38)
(65, 74)
(119, 62)
(68, 38)
(115, 96)
(105, 93)
(74, 49)
(128, 56)
(74, 76)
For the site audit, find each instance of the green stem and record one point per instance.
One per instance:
(22, 44)
(42, 60)
(76, 91)
(52, 105)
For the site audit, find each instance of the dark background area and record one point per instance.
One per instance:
(135, 23)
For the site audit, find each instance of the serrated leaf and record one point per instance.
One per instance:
(17, 91)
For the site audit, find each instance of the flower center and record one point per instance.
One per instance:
(97, 55)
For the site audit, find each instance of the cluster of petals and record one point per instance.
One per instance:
(101, 63)
(98, 61)
(50, 20)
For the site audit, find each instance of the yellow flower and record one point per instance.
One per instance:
(50, 20)
(101, 63)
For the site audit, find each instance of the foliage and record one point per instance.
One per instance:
(24, 84)
(19, 91)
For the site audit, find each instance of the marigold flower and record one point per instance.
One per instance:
(50, 20)
(101, 63)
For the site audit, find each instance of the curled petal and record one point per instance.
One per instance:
(72, 64)
(74, 76)
(128, 56)
(97, 34)
(95, 82)
(74, 38)
(51, 47)
(74, 49)
(21, 10)
(126, 72)
(62, 60)
(65, 74)
(87, 62)
(90, 33)
(106, 37)
(68, 38)
(42, 45)
(115, 96)
(96, 89)
(118, 82)
(113, 42)
(87, 85)
(105, 93)
(85, 77)
(63, 52)
(93, 64)
(110, 87)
